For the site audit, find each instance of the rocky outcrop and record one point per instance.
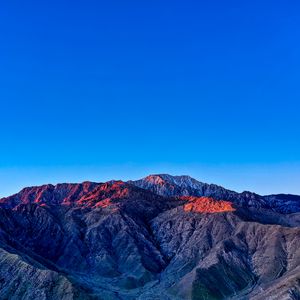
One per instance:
(206, 205)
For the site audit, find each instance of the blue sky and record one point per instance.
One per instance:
(94, 90)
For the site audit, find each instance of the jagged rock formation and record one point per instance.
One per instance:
(161, 237)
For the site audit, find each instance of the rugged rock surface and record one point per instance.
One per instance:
(161, 237)
(167, 185)
(206, 205)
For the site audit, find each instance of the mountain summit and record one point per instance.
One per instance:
(160, 237)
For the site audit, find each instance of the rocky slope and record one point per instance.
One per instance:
(161, 237)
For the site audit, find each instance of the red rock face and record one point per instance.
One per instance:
(105, 194)
(66, 194)
(207, 205)
(104, 203)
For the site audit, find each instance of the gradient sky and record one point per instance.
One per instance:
(95, 90)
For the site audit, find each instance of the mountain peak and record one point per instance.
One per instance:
(156, 179)
(181, 180)
(168, 185)
(168, 177)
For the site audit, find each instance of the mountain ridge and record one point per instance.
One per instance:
(160, 237)
(162, 177)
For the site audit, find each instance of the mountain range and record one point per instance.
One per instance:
(162, 237)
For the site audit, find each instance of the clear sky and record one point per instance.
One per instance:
(95, 90)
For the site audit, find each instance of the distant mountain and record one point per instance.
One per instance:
(167, 185)
(160, 237)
